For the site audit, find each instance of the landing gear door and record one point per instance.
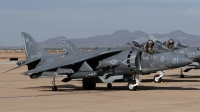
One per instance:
(138, 61)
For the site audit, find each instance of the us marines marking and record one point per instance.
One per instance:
(162, 58)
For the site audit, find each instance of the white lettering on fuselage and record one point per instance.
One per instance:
(49, 60)
(38, 55)
(145, 58)
(182, 52)
(191, 55)
(174, 60)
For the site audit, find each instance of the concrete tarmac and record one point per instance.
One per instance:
(19, 93)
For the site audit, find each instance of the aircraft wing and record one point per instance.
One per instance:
(66, 62)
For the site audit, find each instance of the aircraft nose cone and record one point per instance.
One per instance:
(180, 62)
(185, 61)
(197, 57)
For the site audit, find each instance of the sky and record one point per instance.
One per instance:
(46, 19)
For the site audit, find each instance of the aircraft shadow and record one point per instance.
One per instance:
(165, 88)
(185, 76)
(73, 88)
(170, 80)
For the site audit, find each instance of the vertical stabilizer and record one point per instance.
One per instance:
(32, 48)
(69, 47)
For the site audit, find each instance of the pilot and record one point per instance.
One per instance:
(148, 47)
(170, 44)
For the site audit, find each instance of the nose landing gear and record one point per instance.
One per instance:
(134, 82)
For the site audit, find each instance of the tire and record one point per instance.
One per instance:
(157, 80)
(109, 85)
(89, 86)
(54, 88)
(132, 82)
(181, 76)
(85, 86)
(92, 86)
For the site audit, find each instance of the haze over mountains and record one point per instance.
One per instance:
(122, 37)
(119, 38)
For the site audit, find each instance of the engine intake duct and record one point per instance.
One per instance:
(88, 74)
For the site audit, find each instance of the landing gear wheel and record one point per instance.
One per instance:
(157, 80)
(92, 86)
(89, 86)
(131, 86)
(54, 88)
(181, 76)
(109, 85)
(85, 86)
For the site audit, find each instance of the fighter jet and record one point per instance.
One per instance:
(170, 45)
(42, 64)
(191, 52)
(138, 63)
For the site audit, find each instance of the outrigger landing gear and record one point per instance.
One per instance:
(158, 78)
(134, 82)
(54, 87)
(181, 76)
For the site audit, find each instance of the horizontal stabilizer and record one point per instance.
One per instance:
(22, 64)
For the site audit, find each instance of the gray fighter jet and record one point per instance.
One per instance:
(42, 64)
(149, 63)
(191, 52)
(100, 66)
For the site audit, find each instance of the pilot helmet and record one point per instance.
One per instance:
(150, 42)
(171, 41)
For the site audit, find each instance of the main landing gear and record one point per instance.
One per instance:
(88, 85)
(54, 87)
(181, 76)
(109, 85)
(158, 78)
(134, 82)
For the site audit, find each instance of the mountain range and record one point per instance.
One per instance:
(122, 37)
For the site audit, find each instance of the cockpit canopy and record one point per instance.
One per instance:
(180, 45)
(136, 44)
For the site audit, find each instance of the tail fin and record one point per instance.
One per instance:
(32, 48)
(69, 47)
